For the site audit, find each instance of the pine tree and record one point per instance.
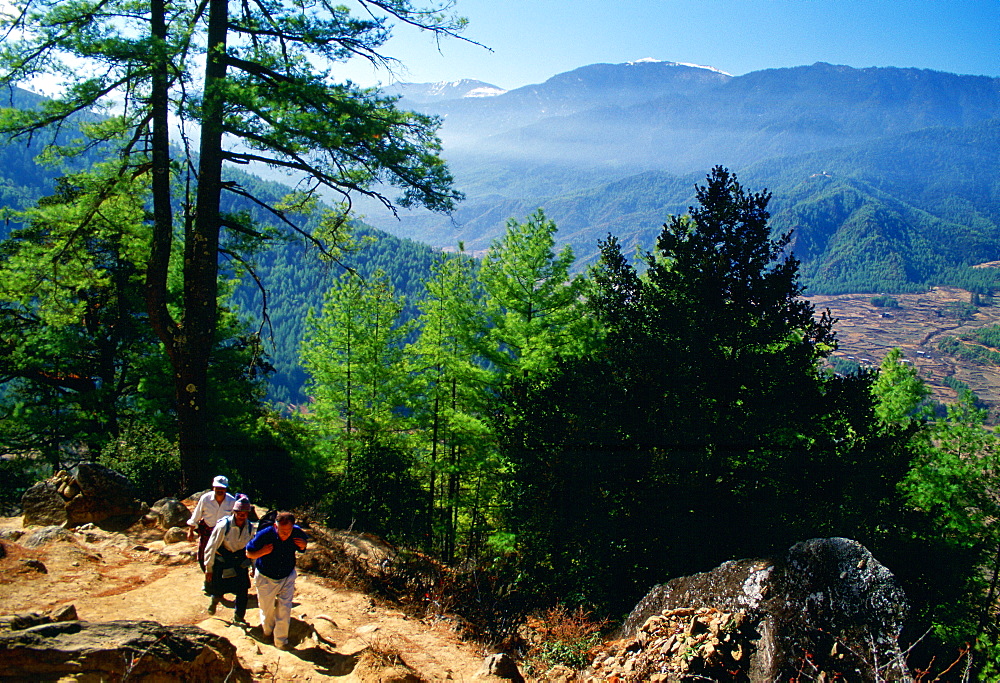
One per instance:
(534, 307)
(75, 348)
(258, 80)
(452, 405)
(353, 351)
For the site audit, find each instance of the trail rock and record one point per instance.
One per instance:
(45, 535)
(326, 629)
(560, 673)
(139, 650)
(33, 565)
(827, 599)
(499, 666)
(64, 613)
(15, 622)
(169, 513)
(88, 492)
(175, 535)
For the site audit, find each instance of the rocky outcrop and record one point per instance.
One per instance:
(681, 644)
(825, 606)
(88, 492)
(116, 650)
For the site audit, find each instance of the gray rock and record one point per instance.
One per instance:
(827, 597)
(46, 535)
(42, 505)
(116, 650)
(11, 534)
(107, 498)
(170, 512)
(175, 535)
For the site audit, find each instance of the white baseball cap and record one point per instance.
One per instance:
(220, 481)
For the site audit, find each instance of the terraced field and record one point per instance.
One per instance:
(866, 332)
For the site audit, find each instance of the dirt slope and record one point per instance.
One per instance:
(136, 576)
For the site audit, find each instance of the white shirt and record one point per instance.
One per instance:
(210, 511)
(233, 539)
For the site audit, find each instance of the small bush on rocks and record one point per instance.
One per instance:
(561, 635)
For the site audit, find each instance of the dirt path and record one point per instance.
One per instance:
(337, 634)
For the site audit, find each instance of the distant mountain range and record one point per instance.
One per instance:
(903, 161)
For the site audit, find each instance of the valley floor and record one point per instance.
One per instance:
(867, 332)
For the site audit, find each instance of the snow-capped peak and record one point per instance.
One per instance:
(650, 60)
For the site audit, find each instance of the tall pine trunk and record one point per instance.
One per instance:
(201, 259)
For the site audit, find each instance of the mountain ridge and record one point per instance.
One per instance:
(585, 144)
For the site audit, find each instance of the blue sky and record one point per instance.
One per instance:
(535, 39)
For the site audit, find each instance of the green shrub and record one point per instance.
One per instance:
(884, 301)
(17, 474)
(150, 461)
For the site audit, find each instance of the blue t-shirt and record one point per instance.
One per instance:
(280, 562)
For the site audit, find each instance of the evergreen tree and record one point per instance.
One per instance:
(258, 81)
(85, 376)
(353, 351)
(899, 391)
(703, 429)
(76, 349)
(534, 307)
(452, 406)
(954, 480)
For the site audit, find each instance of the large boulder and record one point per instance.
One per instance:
(169, 513)
(43, 506)
(88, 492)
(827, 606)
(119, 650)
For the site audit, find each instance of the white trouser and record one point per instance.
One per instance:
(274, 597)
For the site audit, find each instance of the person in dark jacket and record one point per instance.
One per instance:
(273, 550)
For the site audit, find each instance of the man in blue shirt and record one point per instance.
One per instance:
(273, 551)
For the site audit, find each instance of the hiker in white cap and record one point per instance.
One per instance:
(212, 506)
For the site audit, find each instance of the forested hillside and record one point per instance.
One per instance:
(292, 271)
(296, 278)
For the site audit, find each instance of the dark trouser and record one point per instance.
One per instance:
(238, 585)
(204, 531)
